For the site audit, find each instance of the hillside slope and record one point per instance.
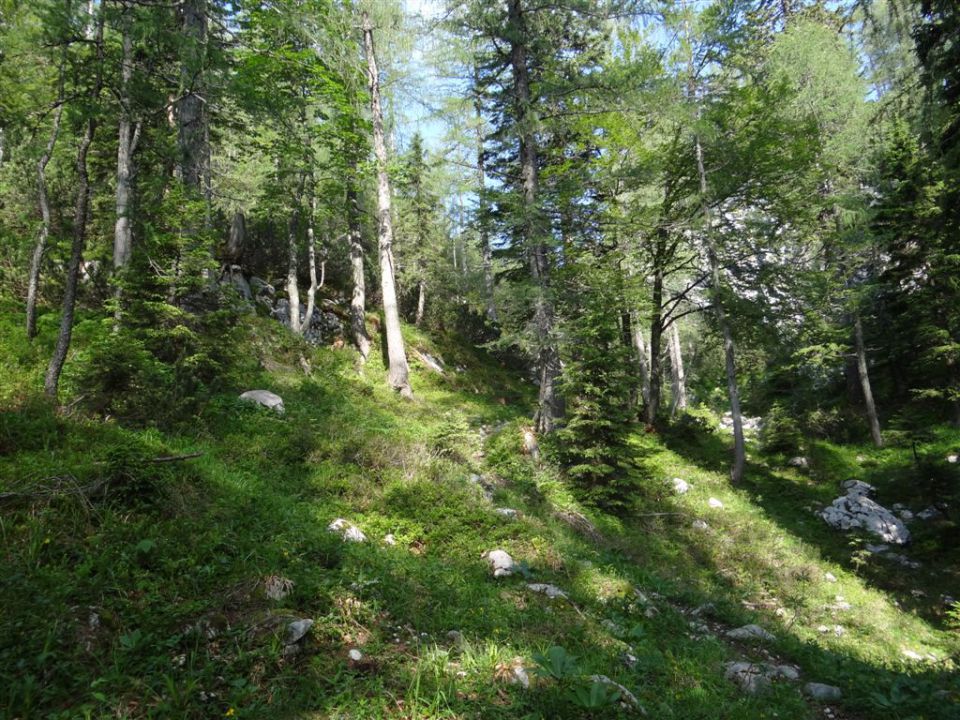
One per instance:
(136, 585)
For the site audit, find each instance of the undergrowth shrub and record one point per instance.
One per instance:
(781, 431)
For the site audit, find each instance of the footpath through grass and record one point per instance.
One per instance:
(167, 591)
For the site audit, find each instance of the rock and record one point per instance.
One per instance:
(456, 637)
(485, 487)
(912, 655)
(877, 549)
(297, 630)
(754, 678)
(266, 398)
(798, 462)
(823, 629)
(857, 511)
(749, 632)
(714, 503)
(518, 676)
(830, 577)
(233, 276)
(700, 525)
(613, 628)
(905, 515)
(430, 361)
(389, 539)
(355, 655)
(551, 591)
(953, 458)
(680, 486)
(508, 513)
(347, 530)
(626, 696)
(500, 562)
(821, 692)
(930, 513)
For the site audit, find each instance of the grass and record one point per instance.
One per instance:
(151, 601)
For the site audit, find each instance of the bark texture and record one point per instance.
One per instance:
(486, 252)
(312, 263)
(677, 375)
(358, 300)
(864, 376)
(191, 121)
(399, 374)
(643, 361)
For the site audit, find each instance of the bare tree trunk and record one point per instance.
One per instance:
(679, 384)
(550, 405)
(52, 381)
(656, 335)
(293, 290)
(358, 300)
(312, 260)
(739, 447)
(421, 301)
(192, 135)
(642, 359)
(482, 226)
(399, 374)
(128, 137)
(39, 248)
(865, 382)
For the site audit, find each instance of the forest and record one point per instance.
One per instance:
(480, 359)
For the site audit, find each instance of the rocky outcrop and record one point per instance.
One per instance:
(266, 398)
(856, 511)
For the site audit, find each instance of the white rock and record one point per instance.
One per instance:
(266, 398)
(930, 513)
(625, 695)
(389, 539)
(798, 462)
(877, 549)
(857, 511)
(830, 577)
(700, 525)
(355, 655)
(297, 630)
(714, 503)
(520, 677)
(680, 486)
(912, 655)
(838, 630)
(821, 692)
(953, 458)
(754, 678)
(500, 562)
(823, 629)
(906, 515)
(347, 530)
(551, 591)
(749, 632)
(508, 513)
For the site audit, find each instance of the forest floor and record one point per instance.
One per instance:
(166, 590)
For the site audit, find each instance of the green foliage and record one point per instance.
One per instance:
(781, 431)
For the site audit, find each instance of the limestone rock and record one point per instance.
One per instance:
(700, 525)
(714, 503)
(856, 510)
(347, 530)
(749, 632)
(626, 697)
(500, 562)
(508, 513)
(754, 678)
(266, 398)
(297, 630)
(680, 486)
(798, 462)
(551, 591)
(822, 692)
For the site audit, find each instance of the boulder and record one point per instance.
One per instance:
(714, 503)
(749, 632)
(798, 462)
(855, 510)
(700, 525)
(500, 562)
(754, 678)
(297, 630)
(508, 513)
(347, 530)
(821, 692)
(266, 398)
(626, 697)
(551, 591)
(680, 486)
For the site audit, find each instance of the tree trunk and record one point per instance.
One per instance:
(33, 282)
(128, 137)
(52, 381)
(739, 447)
(398, 375)
(642, 359)
(358, 300)
(550, 405)
(293, 290)
(679, 384)
(486, 252)
(656, 334)
(192, 135)
(312, 261)
(865, 382)
(421, 301)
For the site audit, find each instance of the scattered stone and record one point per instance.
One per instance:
(830, 577)
(500, 562)
(456, 637)
(269, 400)
(680, 486)
(930, 513)
(629, 659)
(750, 632)
(823, 629)
(431, 362)
(857, 511)
(485, 487)
(798, 462)
(947, 600)
(551, 591)
(877, 549)
(626, 696)
(906, 515)
(297, 630)
(754, 678)
(508, 513)
(389, 539)
(953, 458)
(277, 587)
(580, 523)
(838, 630)
(912, 655)
(821, 692)
(714, 503)
(700, 525)
(355, 655)
(347, 530)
